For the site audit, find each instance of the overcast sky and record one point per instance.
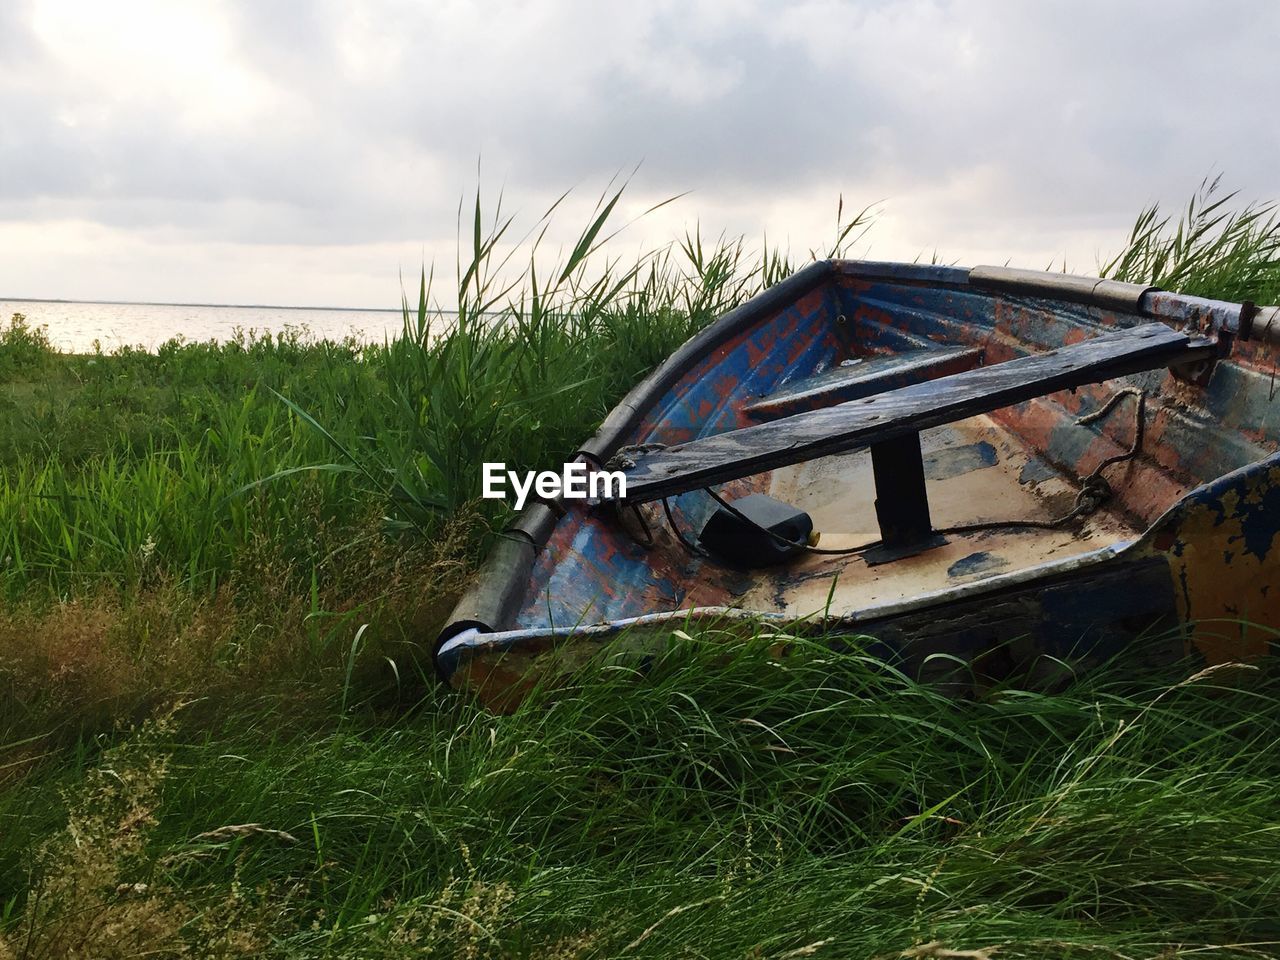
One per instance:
(307, 153)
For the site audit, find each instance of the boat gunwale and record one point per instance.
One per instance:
(451, 650)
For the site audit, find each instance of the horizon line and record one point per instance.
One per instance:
(234, 306)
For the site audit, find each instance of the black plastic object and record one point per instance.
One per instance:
(745, 543)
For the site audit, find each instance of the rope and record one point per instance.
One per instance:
(1266, 338)
(1094, 489)
(692, 549)
(1139, 425)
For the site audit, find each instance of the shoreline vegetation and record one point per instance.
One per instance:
(219, 735)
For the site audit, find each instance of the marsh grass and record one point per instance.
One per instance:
(733, 804)
(282, 497)
(248, 541)
(1211, 250)
(24, 348)
(124, 466)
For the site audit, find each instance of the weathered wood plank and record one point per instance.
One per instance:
(864, 378)
(859, 423)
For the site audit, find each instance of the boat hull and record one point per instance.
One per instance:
(1185, 549)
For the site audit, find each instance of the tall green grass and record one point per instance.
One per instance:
(176, 461)
(727, 804)
(1211, 250)
(287, 496)
(261, 530)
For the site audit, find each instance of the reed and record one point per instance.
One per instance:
(260, 532)
(174, 462)
(284, 495)
(1211, 249)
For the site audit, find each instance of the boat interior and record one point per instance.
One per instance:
(938, 431)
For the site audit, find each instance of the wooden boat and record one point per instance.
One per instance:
(1022, 468)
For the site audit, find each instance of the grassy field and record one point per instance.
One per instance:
(219, 736)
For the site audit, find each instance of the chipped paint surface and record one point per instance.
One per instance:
(1223, 547)
(974, 472)
(593, 568)
(1191, 534)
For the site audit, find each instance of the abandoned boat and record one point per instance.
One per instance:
(997, 465)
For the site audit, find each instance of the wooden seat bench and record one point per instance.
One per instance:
(862, 378)
(890, 424)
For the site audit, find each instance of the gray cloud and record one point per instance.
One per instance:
(334, 123)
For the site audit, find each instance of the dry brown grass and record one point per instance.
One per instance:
(99, 890)
(467, 919)
(93, 895)
(87, 897)
(97, 661)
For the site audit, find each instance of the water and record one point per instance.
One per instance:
(74, 326)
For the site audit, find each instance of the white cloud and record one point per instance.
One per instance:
(307, 152)
(149, 57)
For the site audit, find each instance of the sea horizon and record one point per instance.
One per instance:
(197, 303)
(80, 326)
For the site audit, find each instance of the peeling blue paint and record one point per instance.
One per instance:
(1036, 470)
(976, 563)
(955, 461)
(1262, 523)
